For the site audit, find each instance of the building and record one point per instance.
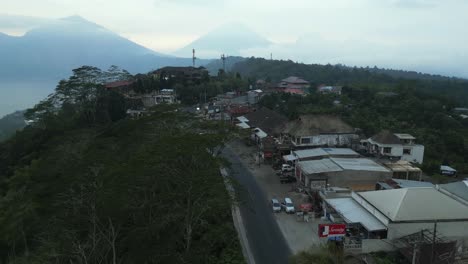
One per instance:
(387, 219)
(403, 169)
(326, 89)
(456, 190)
(123, 87)
(164, 96)
(265, 119)
(294, 85)
(183, 74)
(353, 173)
(398, 184)
(254, 96)
(320, 153)
(318, 131)
(395, 146)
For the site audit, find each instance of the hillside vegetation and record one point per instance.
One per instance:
(379, 79)
(84, 184)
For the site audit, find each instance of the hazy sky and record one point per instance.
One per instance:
(428, 35)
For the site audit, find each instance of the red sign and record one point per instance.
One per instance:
(307, 207)
(332, 230)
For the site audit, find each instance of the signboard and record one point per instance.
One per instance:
(307, 207)
(332, 230)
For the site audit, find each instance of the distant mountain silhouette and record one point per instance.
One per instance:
(229, 39)
(53, 49)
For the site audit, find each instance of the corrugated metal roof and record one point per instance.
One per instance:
(318, 166)
(289, 157)
(243, 125)
(404, 136)
(352, 213)
(416, 204)
(459, 189)
(340, 151)
(359, 164)
(243, 119)
(410, 184)
(310, 153)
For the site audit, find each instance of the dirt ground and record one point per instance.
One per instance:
(300, 235)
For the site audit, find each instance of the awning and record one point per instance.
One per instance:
(243, 125)
(260, 133)
(289, 158)
(352, 213)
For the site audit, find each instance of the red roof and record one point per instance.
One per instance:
(239, 110)
(118, 84)
(294, 91)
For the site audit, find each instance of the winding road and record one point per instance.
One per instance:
(266, 242)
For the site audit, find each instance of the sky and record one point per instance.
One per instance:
(425, 35)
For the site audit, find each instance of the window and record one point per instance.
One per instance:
(305, 140)
(406, 151)
(387, 150)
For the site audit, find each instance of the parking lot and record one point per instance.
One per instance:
(300, 235)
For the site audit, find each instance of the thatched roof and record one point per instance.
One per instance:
(267, 120)
(311, 125)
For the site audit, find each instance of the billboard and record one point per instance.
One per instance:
(332, 230)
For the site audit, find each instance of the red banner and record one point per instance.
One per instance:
(332, 230)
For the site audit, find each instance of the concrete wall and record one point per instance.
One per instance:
(349, 178)
(331, 140)
(374, 245)
(449, 230)
(417, 154)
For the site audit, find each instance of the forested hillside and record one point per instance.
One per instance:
(275, 70)
(84, 184)
(9, 124)
(429, 118)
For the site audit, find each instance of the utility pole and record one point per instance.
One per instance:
(433, 242)
(223, 58)
(193, 58)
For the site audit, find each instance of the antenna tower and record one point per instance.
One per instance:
(193, 58)
(223, 58)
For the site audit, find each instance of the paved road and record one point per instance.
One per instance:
(266, 241)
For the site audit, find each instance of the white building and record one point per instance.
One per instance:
(395, 146)
(385, 217)
(166, 96)
(318, 130)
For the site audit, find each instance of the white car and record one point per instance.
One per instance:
(286, 168)
(288, 206)
(276, 206)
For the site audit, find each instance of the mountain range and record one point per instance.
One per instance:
(229, 39)
(51, 50)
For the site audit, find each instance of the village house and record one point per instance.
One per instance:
(293, 85)
(353, 173)
(123, 87)
(164, 96)
(389, 220)
(262, 122)
(318, 131)
(326, 89)
(253, 96)
(184, 74)
(394, 146)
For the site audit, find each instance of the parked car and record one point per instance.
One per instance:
(288, 206)
(286, 167)
(276, 206)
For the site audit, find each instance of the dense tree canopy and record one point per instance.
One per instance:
(83, 185)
